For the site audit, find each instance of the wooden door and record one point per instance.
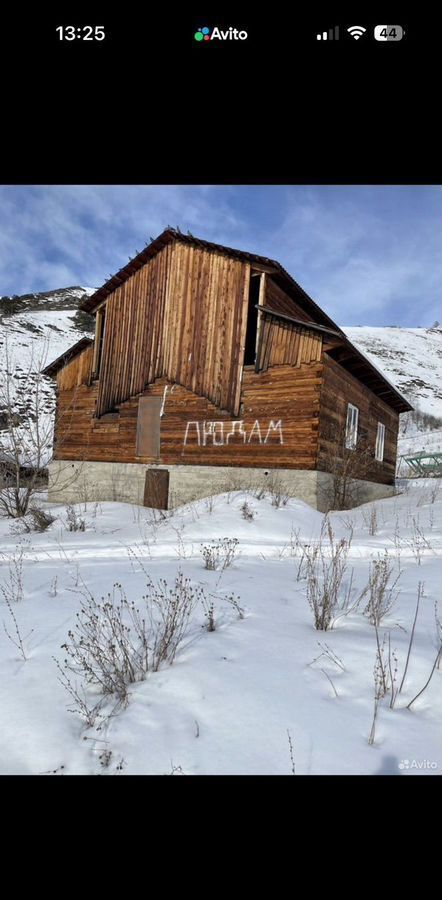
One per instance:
(156, 488)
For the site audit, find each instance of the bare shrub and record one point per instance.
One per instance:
(159, 516)
(37, 520)
(235, 604)
(219, 554)
(246, 512)
(18, 641)
(278, 490)
(381, 680)
(329, 655)
(176, 770)
(12, 586)
(82, 706)
(105, 758)
(325, 566)
(371, 519)
(419, 543)
(74, 522)
(115, 643)
(209, 613)
(307, 552)
(182, 551)
(393, 673)
(382, 595)
(26, 433)
(425, 421)
(294, 546)
(346, 466)
(208, 604)
(211, 556)
(292, 755)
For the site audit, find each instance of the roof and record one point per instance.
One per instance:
(66, 357)
(170, 235)
(355, 361)
(268, 311)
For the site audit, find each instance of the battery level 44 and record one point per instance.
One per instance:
(389, 32)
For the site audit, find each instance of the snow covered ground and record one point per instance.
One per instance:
(233, 696)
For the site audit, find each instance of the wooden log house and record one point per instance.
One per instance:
(212, 368)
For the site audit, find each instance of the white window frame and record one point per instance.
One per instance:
(380, 442)
(351, 428)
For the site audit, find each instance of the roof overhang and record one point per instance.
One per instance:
(354, 362)
(61, 361)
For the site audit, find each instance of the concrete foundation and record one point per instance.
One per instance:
(358, 492)
(75, 482)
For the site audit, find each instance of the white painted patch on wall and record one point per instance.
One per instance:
(166, 388)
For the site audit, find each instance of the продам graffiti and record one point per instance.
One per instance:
(217, 434)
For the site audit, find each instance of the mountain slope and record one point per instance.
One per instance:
(34, 329)
(412, 359)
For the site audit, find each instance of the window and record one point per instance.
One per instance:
(380, 440)
(99, 337)
(252, 320)
(351, 430)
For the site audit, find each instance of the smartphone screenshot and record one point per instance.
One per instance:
(220, 396)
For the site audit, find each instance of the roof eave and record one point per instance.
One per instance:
(51, 370)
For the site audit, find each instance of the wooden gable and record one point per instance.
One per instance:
(181, 316)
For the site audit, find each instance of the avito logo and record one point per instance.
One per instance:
(217, 34)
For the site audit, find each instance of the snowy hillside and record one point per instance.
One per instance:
(35, 329)
(411, 358)
(251, 674)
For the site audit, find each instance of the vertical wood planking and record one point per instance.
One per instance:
(182, 316)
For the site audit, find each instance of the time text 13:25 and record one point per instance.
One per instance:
(81, 32)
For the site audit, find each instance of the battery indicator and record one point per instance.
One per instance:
(388, 32)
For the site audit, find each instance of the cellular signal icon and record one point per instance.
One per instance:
(356, 31)
(331, 35)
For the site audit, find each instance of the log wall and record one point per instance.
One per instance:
(338, 389)
(277, 425)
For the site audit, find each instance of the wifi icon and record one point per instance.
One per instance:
(356, 31)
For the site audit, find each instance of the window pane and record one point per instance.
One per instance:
(351, 431)
(380, 439)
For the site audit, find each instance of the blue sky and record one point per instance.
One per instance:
(369, 255)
